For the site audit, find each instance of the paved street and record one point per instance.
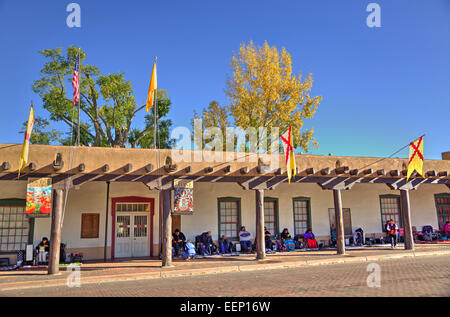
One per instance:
(424, 276)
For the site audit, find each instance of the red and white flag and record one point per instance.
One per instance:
(76, 80)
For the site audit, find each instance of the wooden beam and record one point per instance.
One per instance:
(208, 169)
(431, 173)
(310, 171)
(128, 168)
(188, 169)
(406, 216)
(81, 167)
(342, 170)
(149, 168)
(105, 168)
(55, 238)
(260, 239)
(339, 216)
(58, 163)
(325, 171)
(170, 168)
(354, 172)
(6, 166)
(244, 170)
(368, 171)
(227, 169)
(381, 172)
(394, 173)
(278, 171)
(442, 174)
(32, 166)
(167, 228)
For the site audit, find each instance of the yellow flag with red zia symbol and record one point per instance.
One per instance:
(26, 142)
(415, 162)
(152, 89)
(288, 146)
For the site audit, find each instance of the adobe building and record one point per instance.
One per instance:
(121, 198)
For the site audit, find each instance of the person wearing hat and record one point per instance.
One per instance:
(178, 241)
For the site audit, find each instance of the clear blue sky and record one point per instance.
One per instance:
(381, 87)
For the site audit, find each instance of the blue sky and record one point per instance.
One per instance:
(381, 87)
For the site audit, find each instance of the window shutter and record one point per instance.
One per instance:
(90, 226)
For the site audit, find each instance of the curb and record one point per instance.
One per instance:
(220, 270)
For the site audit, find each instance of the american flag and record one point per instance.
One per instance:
(75, 81)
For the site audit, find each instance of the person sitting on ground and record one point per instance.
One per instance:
(207, 243)
(268, 240)
(225, 245)
(189, 251)
(310, 239)
(43, 248)
(392, 231)
(358, 237)
(285, 235)
(244, 238)
(447, 229)
(178, 241)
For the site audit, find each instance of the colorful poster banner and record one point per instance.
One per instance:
(39, 197)
(183, 197)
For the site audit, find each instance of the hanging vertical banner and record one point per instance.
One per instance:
(183, 197)
(39, 197)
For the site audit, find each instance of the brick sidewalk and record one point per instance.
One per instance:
(125, 270)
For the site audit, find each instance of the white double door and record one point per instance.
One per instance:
(132, 235)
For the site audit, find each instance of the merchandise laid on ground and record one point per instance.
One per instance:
(119, 203)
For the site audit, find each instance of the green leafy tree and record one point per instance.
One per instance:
(108, 107)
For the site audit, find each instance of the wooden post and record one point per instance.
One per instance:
(55, 238)
(339, 215)
(167, 228)
(260, 239)
(406, 217)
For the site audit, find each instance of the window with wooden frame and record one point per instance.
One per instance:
(443, 209)
(90, 225)
(390, 209)
(302, 214)
(271, 215)
(15, 226)
(229, 217)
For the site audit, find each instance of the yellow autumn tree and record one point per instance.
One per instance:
(263, 92)
(214, 115)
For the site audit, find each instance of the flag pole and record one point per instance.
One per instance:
(79, 98)
(155, 112)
